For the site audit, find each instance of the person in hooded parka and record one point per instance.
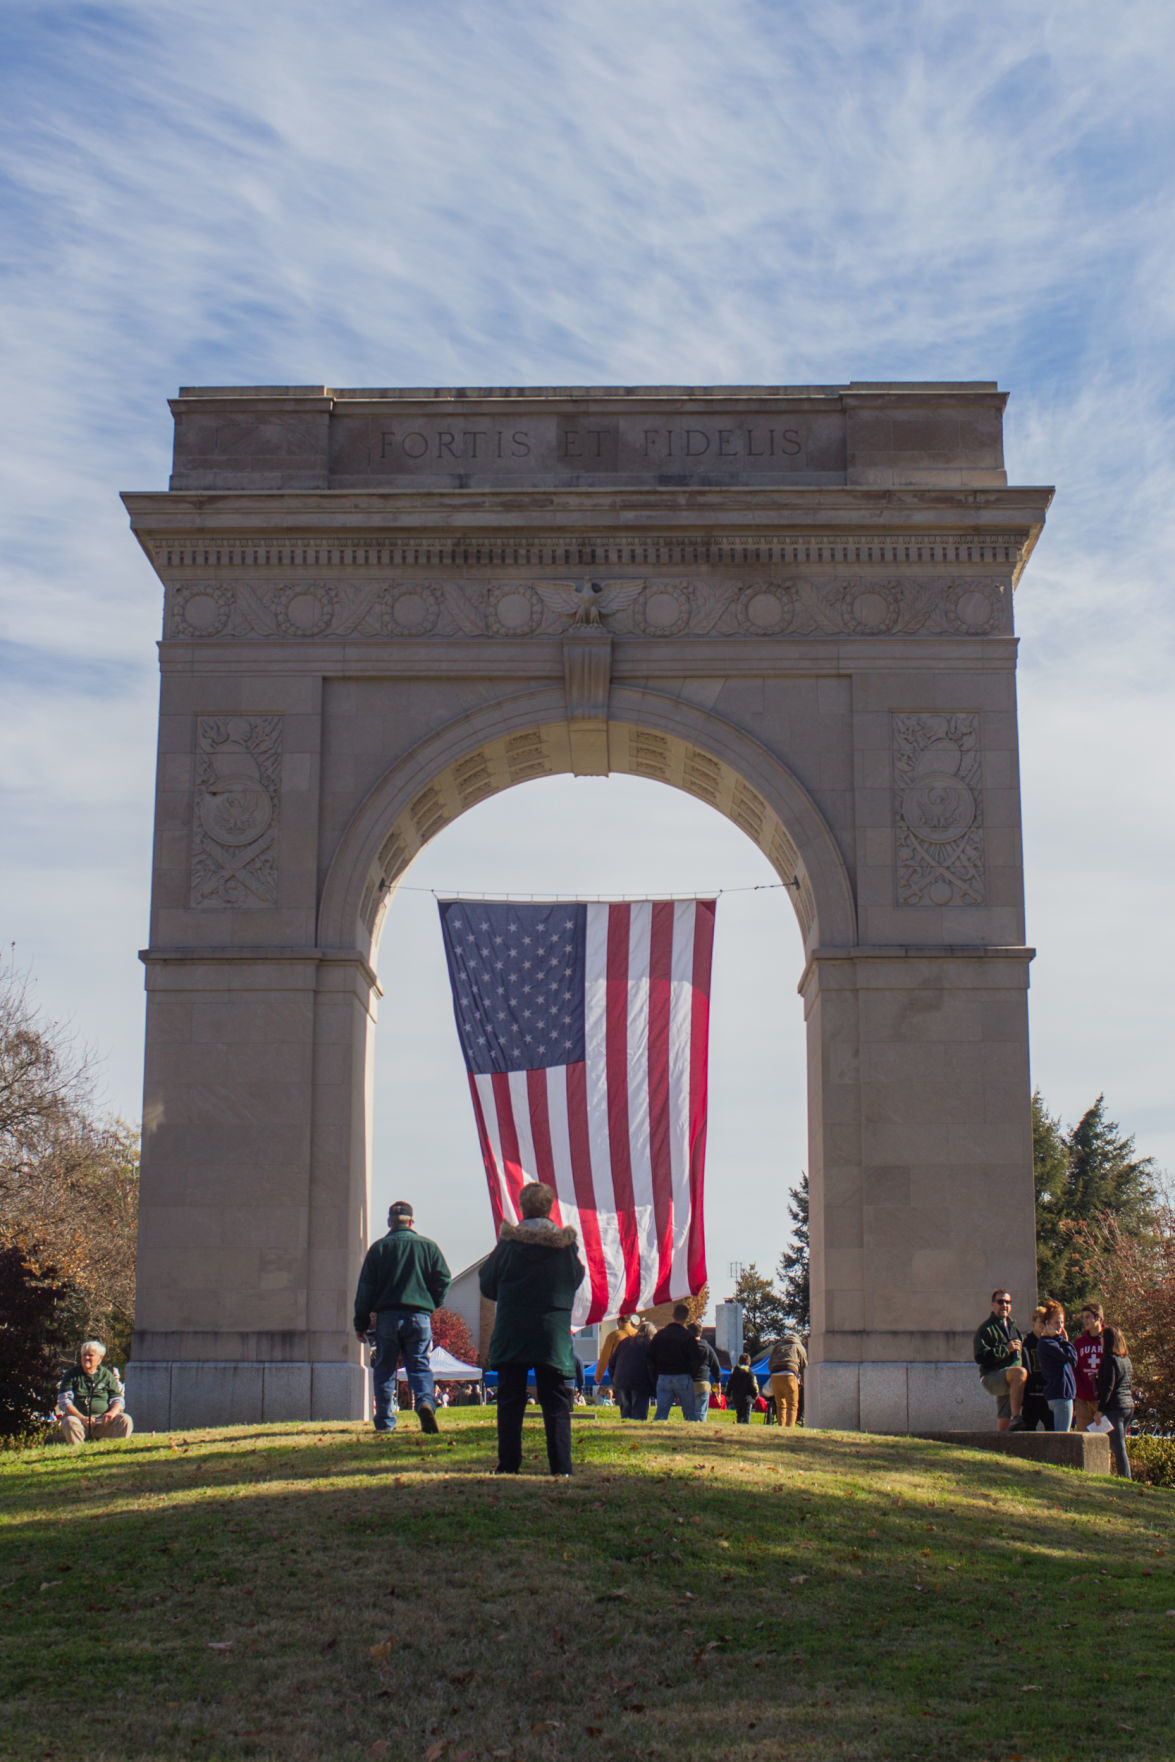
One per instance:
(532, 1276)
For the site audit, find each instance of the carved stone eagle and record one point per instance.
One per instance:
(587, 602)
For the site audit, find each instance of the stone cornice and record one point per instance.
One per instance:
(774, 511)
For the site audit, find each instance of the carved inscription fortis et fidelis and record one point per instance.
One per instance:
(238, 773)
(939, 803)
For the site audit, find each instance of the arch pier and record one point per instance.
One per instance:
(382, 607)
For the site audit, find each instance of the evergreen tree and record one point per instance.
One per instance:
(792, 1271)
(1083, 1177)
(764, 1315)
(1050, 1173)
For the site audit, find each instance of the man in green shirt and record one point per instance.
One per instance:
(404, 1278)
(90, 1402)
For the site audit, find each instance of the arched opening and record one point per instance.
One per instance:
(569, 836)
(651, 737)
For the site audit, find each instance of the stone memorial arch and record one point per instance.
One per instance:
(381, 607)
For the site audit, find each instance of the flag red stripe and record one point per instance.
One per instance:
(487, 1155)
(699, 1038)
(512, 1171)
(540, 1131)
(585, 1196)
(616, 1066)
(660, 975)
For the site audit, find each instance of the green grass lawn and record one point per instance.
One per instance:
(316, 1592)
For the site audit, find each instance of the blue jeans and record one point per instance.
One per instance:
(702, 1397)
(1062, 1412)
(679, 1389)
(406, 1333)
(1118, 1449)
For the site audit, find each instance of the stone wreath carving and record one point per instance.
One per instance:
(512, 608)
(201, 608)
(939, 809)
(238, 776)
(304, 609)
(457, 606)
(410, 611)
(766, 609)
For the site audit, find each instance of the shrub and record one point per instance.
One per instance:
(37, 1324)
(1153, 1460)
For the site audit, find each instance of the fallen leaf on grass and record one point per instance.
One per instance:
(594, 1731)
(436, 1751)
(379, 1748)
(383, 1650)
(546, 1725)
(801, 1578)
(50, 1584)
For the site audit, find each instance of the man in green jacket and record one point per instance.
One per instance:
(998, 1352)
(404, 1278)
(532, 1276)
(90, 1402)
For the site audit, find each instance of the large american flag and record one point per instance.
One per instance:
(585, 1032)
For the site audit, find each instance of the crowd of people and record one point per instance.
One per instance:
(1042, 1380)
(1039, 1378)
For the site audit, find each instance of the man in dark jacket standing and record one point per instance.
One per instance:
(404, 1278)
(708, 1374)
(674, 1362)
(532, 1276)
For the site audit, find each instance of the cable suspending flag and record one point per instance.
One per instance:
(585, 1030)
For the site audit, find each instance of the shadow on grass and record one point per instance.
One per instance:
(692, 1593)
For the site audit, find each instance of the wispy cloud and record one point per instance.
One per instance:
(532, 193)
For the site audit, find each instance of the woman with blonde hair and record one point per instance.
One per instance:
(1057, 1360)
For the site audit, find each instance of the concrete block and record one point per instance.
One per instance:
(942, 1396)
(883, 1397)
(286, 1392)
(1089, 1451)
(148, 1396)
(216, 1394)
(832, 1397)
(338, 1391)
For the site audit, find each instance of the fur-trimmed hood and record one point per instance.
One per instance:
(531, 1236)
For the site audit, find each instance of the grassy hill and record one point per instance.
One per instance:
(317, 1592)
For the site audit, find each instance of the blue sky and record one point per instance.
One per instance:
(392, 194)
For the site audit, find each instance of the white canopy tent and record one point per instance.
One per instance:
(451, 1370)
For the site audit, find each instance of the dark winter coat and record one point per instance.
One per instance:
(630, 1367)
(992, 1346)
(1057, 1360)
(401, 1271)
(710, 1368)
(532, 1276)
(1115, 1395)
(1028, 1352)
(673, 1352)
(741, 1385)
